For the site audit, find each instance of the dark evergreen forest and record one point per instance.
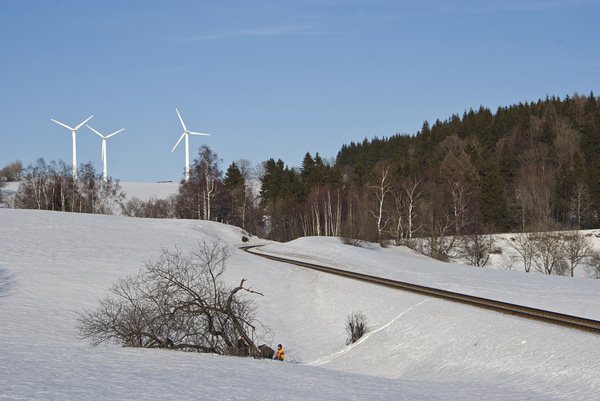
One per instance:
(529, 166)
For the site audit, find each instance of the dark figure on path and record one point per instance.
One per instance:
(265, 352)
(242, 346)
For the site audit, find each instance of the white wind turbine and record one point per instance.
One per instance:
(74, 132)
(186, 133)
(104, 138)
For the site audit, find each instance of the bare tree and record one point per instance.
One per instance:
(195, 197)
(460, 206)
(382, 187)
(577, 248)
(593, 265)
(581, 202)
(549, 252)
(565, 141)
(179, 301)
(248, 172)
(524, 246)
(208, 171)
(357, 224)
(436, 225)
(476, 249)
(450, 145)
(134, 207)
(322, 211)
(534, 191)
(333, 211)
(406, 199)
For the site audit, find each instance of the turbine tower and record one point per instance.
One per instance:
(186, 133)
(104, 138)
(74, 132)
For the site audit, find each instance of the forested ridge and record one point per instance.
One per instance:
(529, 166)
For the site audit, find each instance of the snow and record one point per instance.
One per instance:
(53, 265)
(149, 190)
(402, 264)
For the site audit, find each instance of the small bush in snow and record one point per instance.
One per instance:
(350, 241)
(356, 326)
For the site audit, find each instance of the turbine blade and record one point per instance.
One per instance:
(66, 126)
(198, 133)
(88, 119)
(114, 133)
(181, 119)
(180, 138)
(101, 136)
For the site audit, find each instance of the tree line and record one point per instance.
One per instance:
(51, 186)
(207, 195)
(527, 164)
(526, 167)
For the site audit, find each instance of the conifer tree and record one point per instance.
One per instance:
(591, 147)
(271, 181)
(235, 186)
(233, 177)
(507, 164)
(493, 203)
(308, 164)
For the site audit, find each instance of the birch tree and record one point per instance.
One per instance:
(381, 187)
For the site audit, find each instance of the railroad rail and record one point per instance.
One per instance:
(559, 319)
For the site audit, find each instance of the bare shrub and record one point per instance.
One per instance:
(561, 268)
(508, 263)
(577, 248)
(152, 208)
(134, 207)
(523, 243)
(356, 326)
(350, 241)
(592, 265)
(549, 253)
(179, 301)
(476, 249)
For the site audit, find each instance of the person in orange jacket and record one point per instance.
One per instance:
(279, 355)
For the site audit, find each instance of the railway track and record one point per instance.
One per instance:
(559, 319)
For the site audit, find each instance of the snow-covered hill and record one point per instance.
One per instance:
(52, 265)
(149, 190)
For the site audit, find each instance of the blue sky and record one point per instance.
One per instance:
(271, 78)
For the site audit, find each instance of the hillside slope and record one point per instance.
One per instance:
(55, 264)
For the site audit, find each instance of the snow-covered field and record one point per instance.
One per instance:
(149, 190)
(53, 265)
